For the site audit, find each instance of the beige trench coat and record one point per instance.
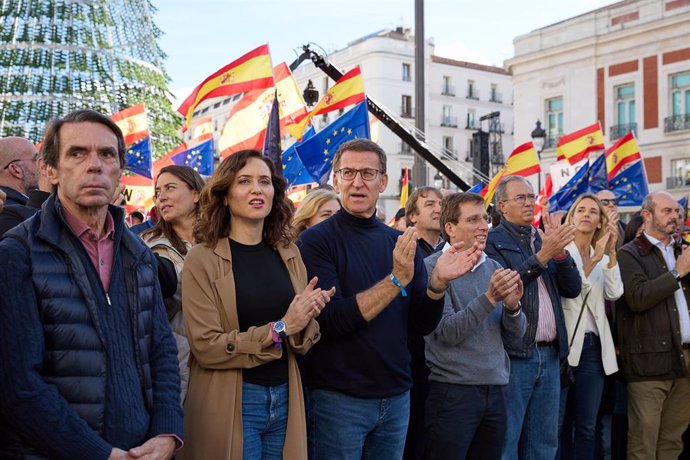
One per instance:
(213, 408)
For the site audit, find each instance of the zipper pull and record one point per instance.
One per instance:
(107, 297)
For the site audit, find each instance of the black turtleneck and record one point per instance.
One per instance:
(356, 357)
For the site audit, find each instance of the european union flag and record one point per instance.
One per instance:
(199, 158)
(293, 169)
(317, 153)
(597, 175)
(564, 198)
(477, 188)
(138, 157)
(683, 202)
(630, 185)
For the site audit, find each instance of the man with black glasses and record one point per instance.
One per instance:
(18, 173)
(548, 273)
(610, 202)
(358, 376)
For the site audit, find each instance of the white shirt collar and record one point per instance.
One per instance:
(482, 257)
(659, 243)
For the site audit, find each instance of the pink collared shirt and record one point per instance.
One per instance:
(101, 250)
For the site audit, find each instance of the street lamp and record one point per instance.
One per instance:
(438, 180)
(539, 139)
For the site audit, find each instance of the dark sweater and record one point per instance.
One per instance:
(356, 357)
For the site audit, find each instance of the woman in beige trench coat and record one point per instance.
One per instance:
(245, 220)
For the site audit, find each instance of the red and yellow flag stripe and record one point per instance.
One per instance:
(575, 146)
(623, 152)
(251, 71)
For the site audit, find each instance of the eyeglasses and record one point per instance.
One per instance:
(368, 174)
(16, 160)
(521, 199)
(474, 220)
(607, 201)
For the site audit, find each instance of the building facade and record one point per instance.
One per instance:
(457, 95)
(626, 65)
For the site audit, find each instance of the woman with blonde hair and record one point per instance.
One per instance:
(592, 353)
(317, 206)
(244, 320)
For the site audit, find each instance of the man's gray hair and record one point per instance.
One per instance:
(500, 194)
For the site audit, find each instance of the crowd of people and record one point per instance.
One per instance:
(232, 326)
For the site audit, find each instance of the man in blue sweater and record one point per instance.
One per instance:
(88, 364)
(358, 375)
(466, 411)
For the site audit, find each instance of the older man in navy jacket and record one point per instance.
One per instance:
(88, 364)
(548, 272)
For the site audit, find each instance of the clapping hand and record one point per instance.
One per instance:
(503, 283)
(454, 263)
(305, 306)
(555, 237)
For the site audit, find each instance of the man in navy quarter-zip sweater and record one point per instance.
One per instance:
(88, 364)
(358, 376)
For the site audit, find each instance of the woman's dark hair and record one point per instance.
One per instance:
(215, 219)
(195, 182)
(632, 227)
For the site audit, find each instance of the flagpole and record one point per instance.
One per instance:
(420, 175)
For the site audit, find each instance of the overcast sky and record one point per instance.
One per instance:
(201, 36)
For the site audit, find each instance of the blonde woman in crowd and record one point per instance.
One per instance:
(177, 192)
(248, 308)
(317, 206)
(592, 352)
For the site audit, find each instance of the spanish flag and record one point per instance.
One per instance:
(491, 188)
(624, 151)
(133, 123)
(576, 146)
(347, 91)
(523, 161)
(249, 72)
(405, 188)
(245, 127)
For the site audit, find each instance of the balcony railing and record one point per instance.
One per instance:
(677, 182)
(451, 122)
(496, 97)
(677, 123)
(618, 131)
(450, 154)
(448, 90)
(407, 112)
(472, 93)
(472, 124)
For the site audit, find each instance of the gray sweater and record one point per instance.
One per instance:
(467, 346)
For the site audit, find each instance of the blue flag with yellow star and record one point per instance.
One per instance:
(564, 198)
(294, 171)
(597, 175)
(630, 185)
(199, 158)
(138, 157)
(317, 153)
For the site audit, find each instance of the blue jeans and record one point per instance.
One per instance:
(532, 400)
(264, 421)
(345, 427)
(582, 403)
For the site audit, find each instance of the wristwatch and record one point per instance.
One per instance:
(675, 274)
(280, 328)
